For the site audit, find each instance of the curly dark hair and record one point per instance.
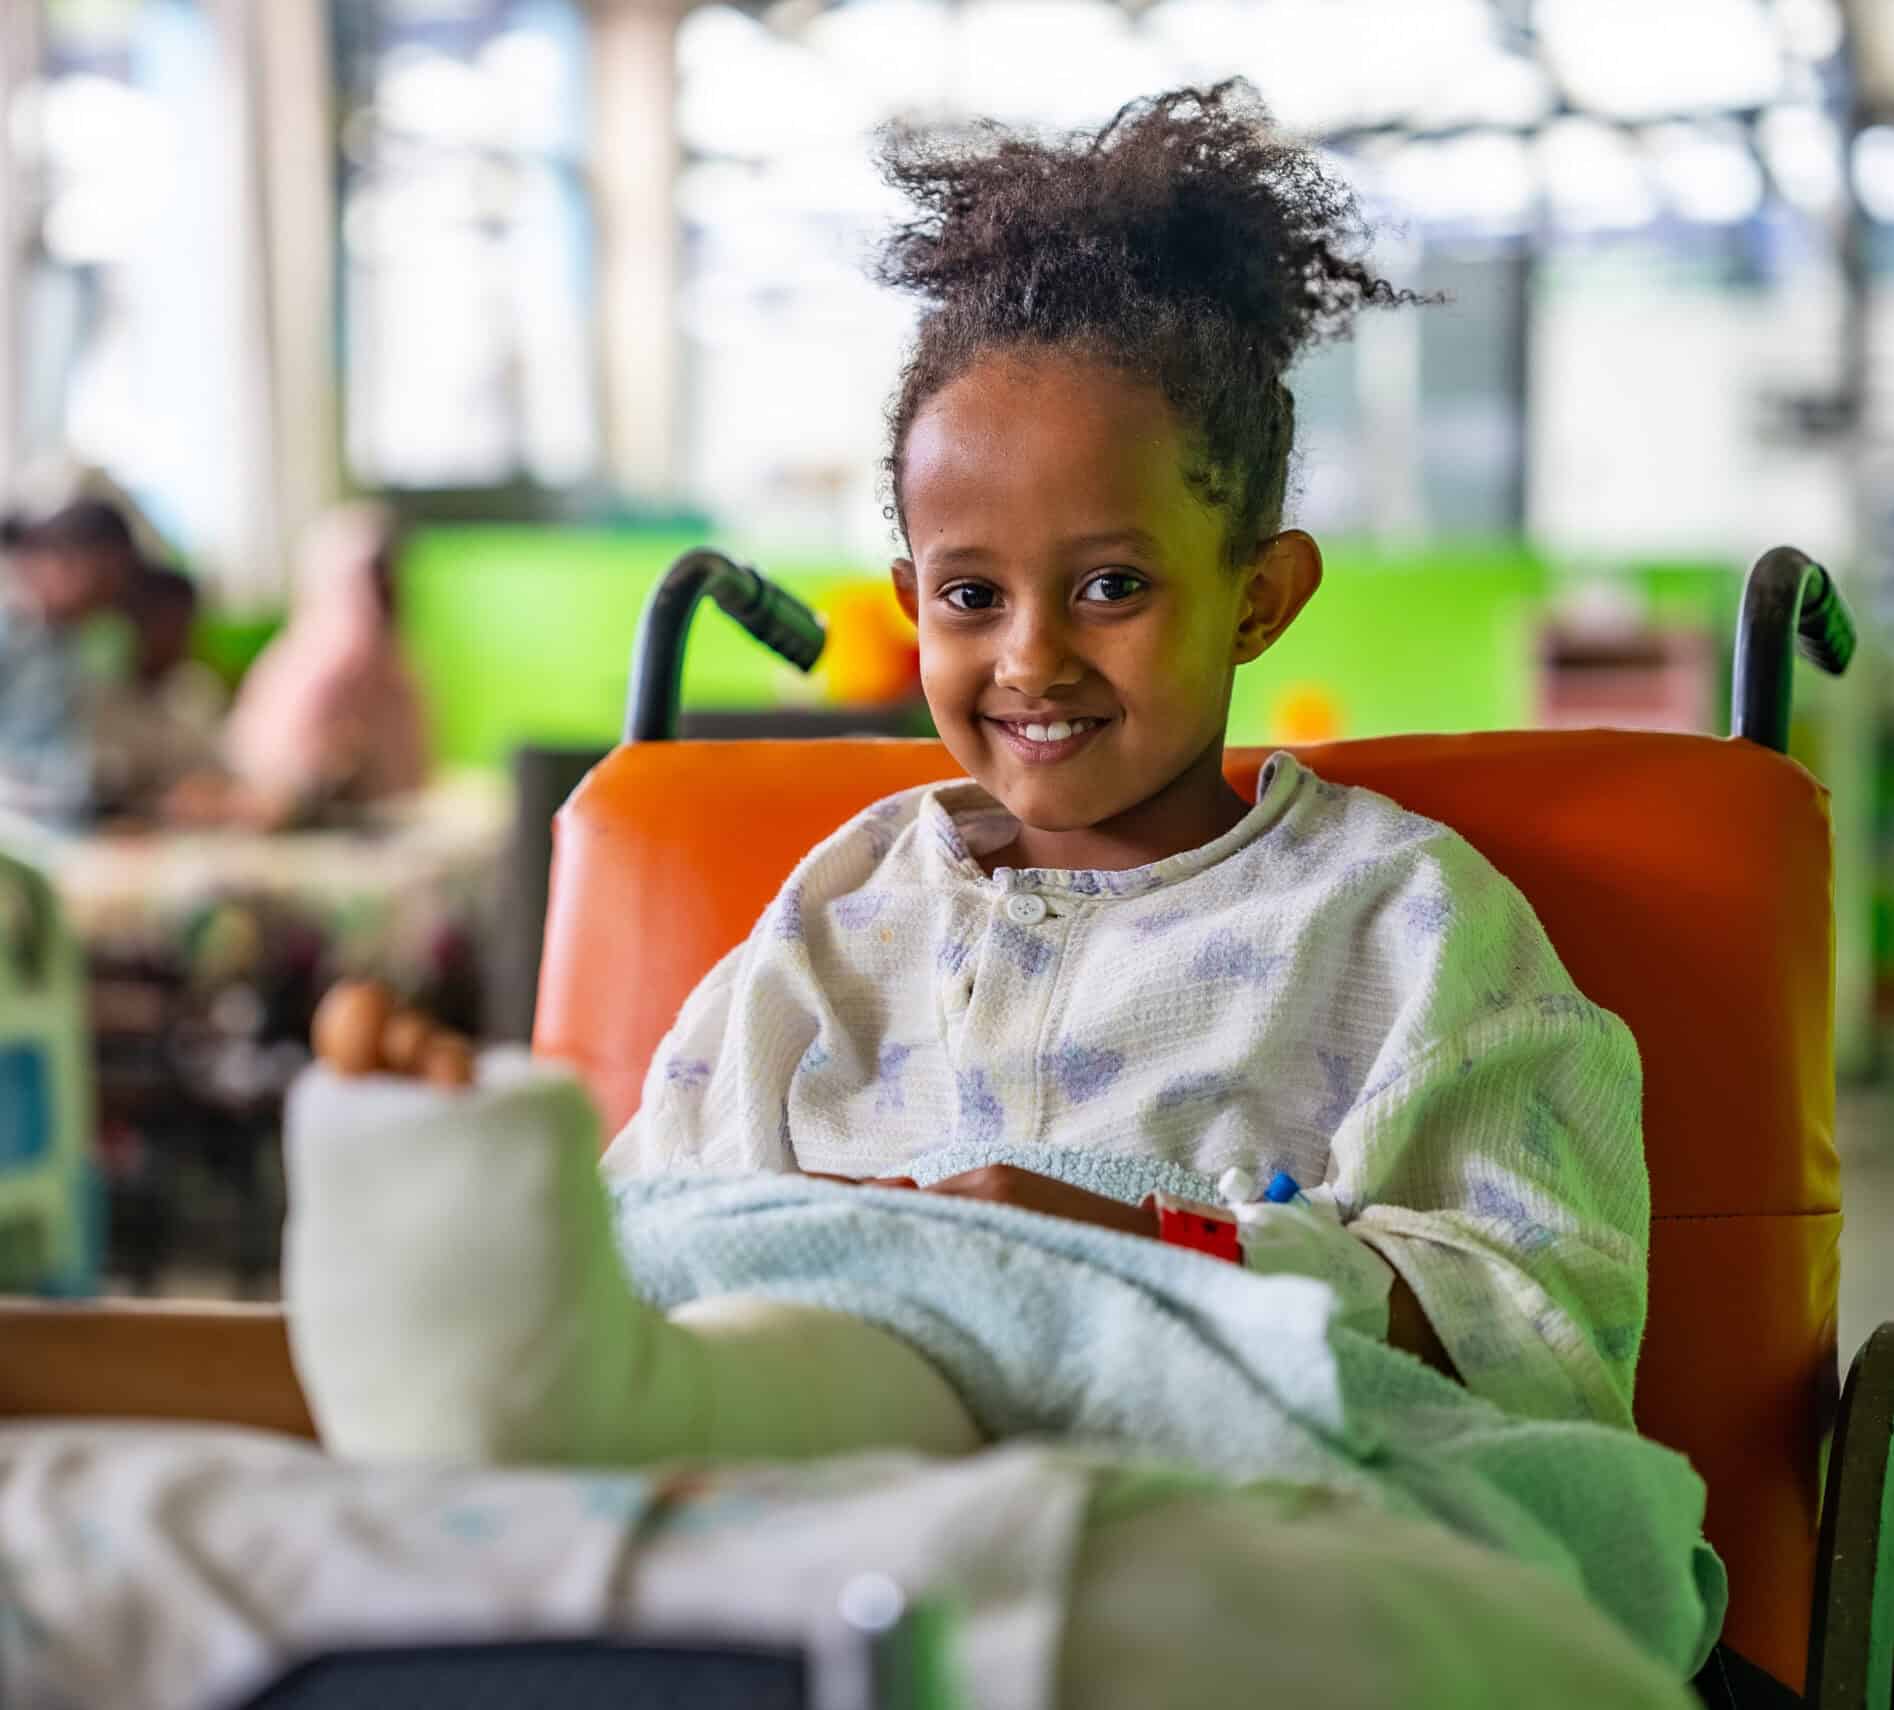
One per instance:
(1185, 243)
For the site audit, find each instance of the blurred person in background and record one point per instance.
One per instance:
(163, 607)
(330, 714)
(155, 722)
(61, 568)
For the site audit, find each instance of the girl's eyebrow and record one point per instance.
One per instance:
(1136, 538)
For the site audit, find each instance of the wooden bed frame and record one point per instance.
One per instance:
(185, 1360)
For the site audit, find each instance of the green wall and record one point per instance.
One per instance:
(1439, 640)
(525, 634)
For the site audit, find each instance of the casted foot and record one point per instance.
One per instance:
(450, 1271)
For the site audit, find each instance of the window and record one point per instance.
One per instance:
(1489, 139)
(123, 294)
(466, 244)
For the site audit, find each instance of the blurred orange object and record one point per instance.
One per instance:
(1305, 712)
(872, 657)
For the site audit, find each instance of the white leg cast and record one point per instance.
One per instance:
(454, 1294)
(787, 1380)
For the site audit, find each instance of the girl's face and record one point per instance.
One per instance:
(1079, 631)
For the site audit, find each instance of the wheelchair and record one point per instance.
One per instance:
(1685, 882)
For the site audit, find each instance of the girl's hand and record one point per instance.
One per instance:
(1007, 1184)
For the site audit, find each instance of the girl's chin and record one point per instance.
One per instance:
(1070, 794)
(1054, 805)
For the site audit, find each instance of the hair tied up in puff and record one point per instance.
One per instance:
(1186, 242)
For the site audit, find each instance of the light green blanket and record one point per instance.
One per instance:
(1055, 1328)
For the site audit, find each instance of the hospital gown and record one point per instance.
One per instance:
(1336, 988)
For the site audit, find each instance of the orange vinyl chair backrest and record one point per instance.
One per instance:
(1684, 880)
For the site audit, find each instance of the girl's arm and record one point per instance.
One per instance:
(715, 1095)
(1503, 1180)
(1490, 1153)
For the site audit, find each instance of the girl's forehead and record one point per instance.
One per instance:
(1039, 436)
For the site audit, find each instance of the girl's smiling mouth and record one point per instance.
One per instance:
(1042, 743)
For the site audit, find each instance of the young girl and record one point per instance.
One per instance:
(1090, 981)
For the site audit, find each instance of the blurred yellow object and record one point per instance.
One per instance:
(1305, 712)
(872, 657)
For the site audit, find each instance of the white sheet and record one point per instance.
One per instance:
(173, 1567)
(167, 1568)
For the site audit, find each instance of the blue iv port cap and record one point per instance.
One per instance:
(1282, 1188)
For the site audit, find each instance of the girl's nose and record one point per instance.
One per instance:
(1035, 655)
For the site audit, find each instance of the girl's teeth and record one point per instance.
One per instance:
(1056, 732)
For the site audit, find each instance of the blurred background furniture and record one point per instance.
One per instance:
(206, 952)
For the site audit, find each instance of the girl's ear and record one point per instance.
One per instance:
(906, 589)
(1279, 582)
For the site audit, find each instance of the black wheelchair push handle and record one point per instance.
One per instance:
(1790, 605)
(776, 618)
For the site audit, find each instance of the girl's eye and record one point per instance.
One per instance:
(978, 598)
(1112, 587)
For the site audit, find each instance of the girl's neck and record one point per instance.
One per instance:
(1196, 807)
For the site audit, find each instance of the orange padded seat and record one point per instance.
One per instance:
(1684, 880)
